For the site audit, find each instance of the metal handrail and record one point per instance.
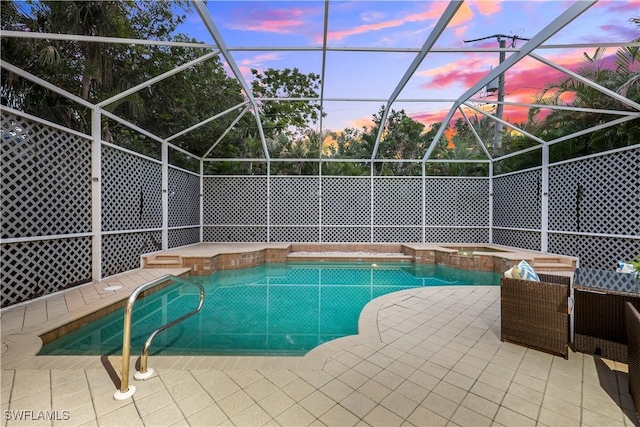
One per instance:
(125, 390)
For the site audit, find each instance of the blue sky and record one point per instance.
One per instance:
(406, 24)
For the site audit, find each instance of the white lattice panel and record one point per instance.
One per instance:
(121, 252)
(184, 198)
(346, 234)
(235, 200)
(346, 201)
(597, 195)
(518, 238)
(234, 234)
(131, 191)
(183, 236)
(32, 269)
(295, 201)
(517, 200)
(396, 201)
(456, 202)
(294, 234)
(397, 234)
(46, 180)
(456, 235)
(601, 253)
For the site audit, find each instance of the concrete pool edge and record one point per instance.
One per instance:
(22, 348)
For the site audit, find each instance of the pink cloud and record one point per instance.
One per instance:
(435, 11)
(487, 7)
(361, 122)
(280, 21)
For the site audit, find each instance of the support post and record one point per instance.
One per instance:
(201, 199)
(96, 194)
(371, 202)
(500, 106)
(165, 195)
(491, 201)
(268, 201)
(424, 202)
(544, 198)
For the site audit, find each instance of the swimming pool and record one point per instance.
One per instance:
(272, 309)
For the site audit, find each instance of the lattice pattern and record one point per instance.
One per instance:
(131, 191)
(456, 235)
(346, 201)
(610, 280)
(294, 234)
(517, 238)
(600, 253)
(234, 234)
(235, 200)
(46, 180)
(596, 195)
(183, 236)
(346, 234)
(396, 201)
(184, 198)
(456, 202)
(517, 200)
(121, 252)
(295, 201)
(32, 269)
(397, 234)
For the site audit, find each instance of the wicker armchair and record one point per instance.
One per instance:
(633, 350)
(536, 314)
(599, 313)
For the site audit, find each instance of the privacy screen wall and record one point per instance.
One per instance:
(47, 237)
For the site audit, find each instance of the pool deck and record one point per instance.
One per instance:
(425, 356)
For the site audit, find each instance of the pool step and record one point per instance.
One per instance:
(163, 260)
(551, 264)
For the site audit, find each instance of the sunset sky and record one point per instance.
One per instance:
(407, 24)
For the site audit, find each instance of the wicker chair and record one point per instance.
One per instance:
(536, 314)
(633, 350)
(599, 313)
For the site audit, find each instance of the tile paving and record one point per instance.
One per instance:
(423, 357)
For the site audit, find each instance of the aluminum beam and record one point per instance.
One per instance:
(205, 121)
(53, 88)
(100, 39)
(157, 79)
(588, 82)
(478, 139)
(557, 107)
(440, 26)
(227, 130)
(201, 7)
(535, 42)
(504, 122)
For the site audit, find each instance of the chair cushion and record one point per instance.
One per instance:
(522, 271)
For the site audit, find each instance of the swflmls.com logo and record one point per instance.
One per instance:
(31, 415)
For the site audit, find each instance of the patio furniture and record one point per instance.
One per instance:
(633, 350)
(535, 314)
(599, 312)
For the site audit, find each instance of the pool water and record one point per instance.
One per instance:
(272, 309)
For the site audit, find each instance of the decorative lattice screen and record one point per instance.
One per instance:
(456, 202)
(457, 235)
(517, 201)
(121, 252)
(32, 269)
(183, 236)
(397, 201)
(294, 201)
(596, 252)
(346, 201)
(596, 195)
(239, 233)
(131, 191)
(235, 200)
(46, 180)
(184, 198)
(518, 238)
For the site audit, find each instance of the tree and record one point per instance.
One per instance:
(286, 117)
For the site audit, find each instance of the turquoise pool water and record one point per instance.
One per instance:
(284, 309)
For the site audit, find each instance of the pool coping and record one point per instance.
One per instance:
(20, 348)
